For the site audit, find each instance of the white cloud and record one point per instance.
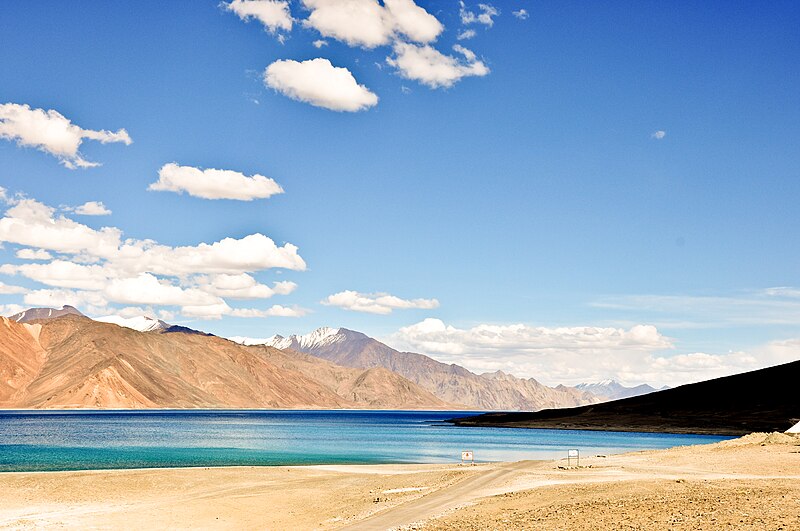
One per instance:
(319, 43)
(91, 208)
(10, 309)
(773, 306)
(51, 132)
(62, 274)
(214, 184)
(466, 34)
(33, 224)
(572, 355)
(97, 267)
(274, 311)
(34, 254)
(413, 21)
(319, 83)
(432, 68)
(379, 303)
(6, 289)
(356, 22)
(484, 17)
(522, 14)
(468, 54)
(435, 336)
(273, 14)
(366, 23)
(210, 312)
(659, 135)
(148, 289)
(782, 291)
(229, 255)
(241, 286)
(93, 302)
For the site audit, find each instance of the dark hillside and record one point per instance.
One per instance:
(764, 400)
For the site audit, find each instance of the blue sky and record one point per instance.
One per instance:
(537, 194)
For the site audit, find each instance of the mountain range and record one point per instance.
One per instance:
(60, 358)
(613, 390)
(451, 383)
(72, 361)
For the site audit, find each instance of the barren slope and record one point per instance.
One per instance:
(79, 363)
(451, 383)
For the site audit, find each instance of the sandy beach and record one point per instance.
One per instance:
(747, 483)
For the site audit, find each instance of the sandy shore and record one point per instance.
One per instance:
(749, 483)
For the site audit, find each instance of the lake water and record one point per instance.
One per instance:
(78, 440)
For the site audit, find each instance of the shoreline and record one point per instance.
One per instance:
(621, 428)
(443, 496)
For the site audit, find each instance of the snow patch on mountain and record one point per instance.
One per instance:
(320, 337)
(142, 323)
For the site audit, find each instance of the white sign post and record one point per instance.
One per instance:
(466, 456)
(573, 454)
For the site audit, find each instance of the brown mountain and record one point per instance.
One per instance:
(763, 400)
(33, 314)
(451, 383)
(74, 362)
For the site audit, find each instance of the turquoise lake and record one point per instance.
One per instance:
(79, 440)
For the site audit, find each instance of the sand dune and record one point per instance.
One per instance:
(748, 483)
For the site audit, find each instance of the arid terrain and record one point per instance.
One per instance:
(747, 483)
(75, 362)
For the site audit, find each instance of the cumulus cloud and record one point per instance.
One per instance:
(229, 255)
(62, 274)
(91, 208)
(98, 267)
(92, 301)
(51, 132)
(214, 184)
(218, 311)
(368, 24)
(466, 34)
(148, 289)
(33, 224)
(319, 43)
(413, 21)
(572, 355)
(319, 83)
(6, 289)
(484, 15)
(241, 286)
(435, 336)
(273, 14)
(658, 135)
(34, 254)
(379, 303)
(430, 67)
(522, 14)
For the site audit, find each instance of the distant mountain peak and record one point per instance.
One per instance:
(319, 337)
(33, 314)
(612, 389)
(142, 323)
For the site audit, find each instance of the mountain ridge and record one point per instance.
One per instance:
(72, 361)
(763, 400)
(613, 390)
(450, 382)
